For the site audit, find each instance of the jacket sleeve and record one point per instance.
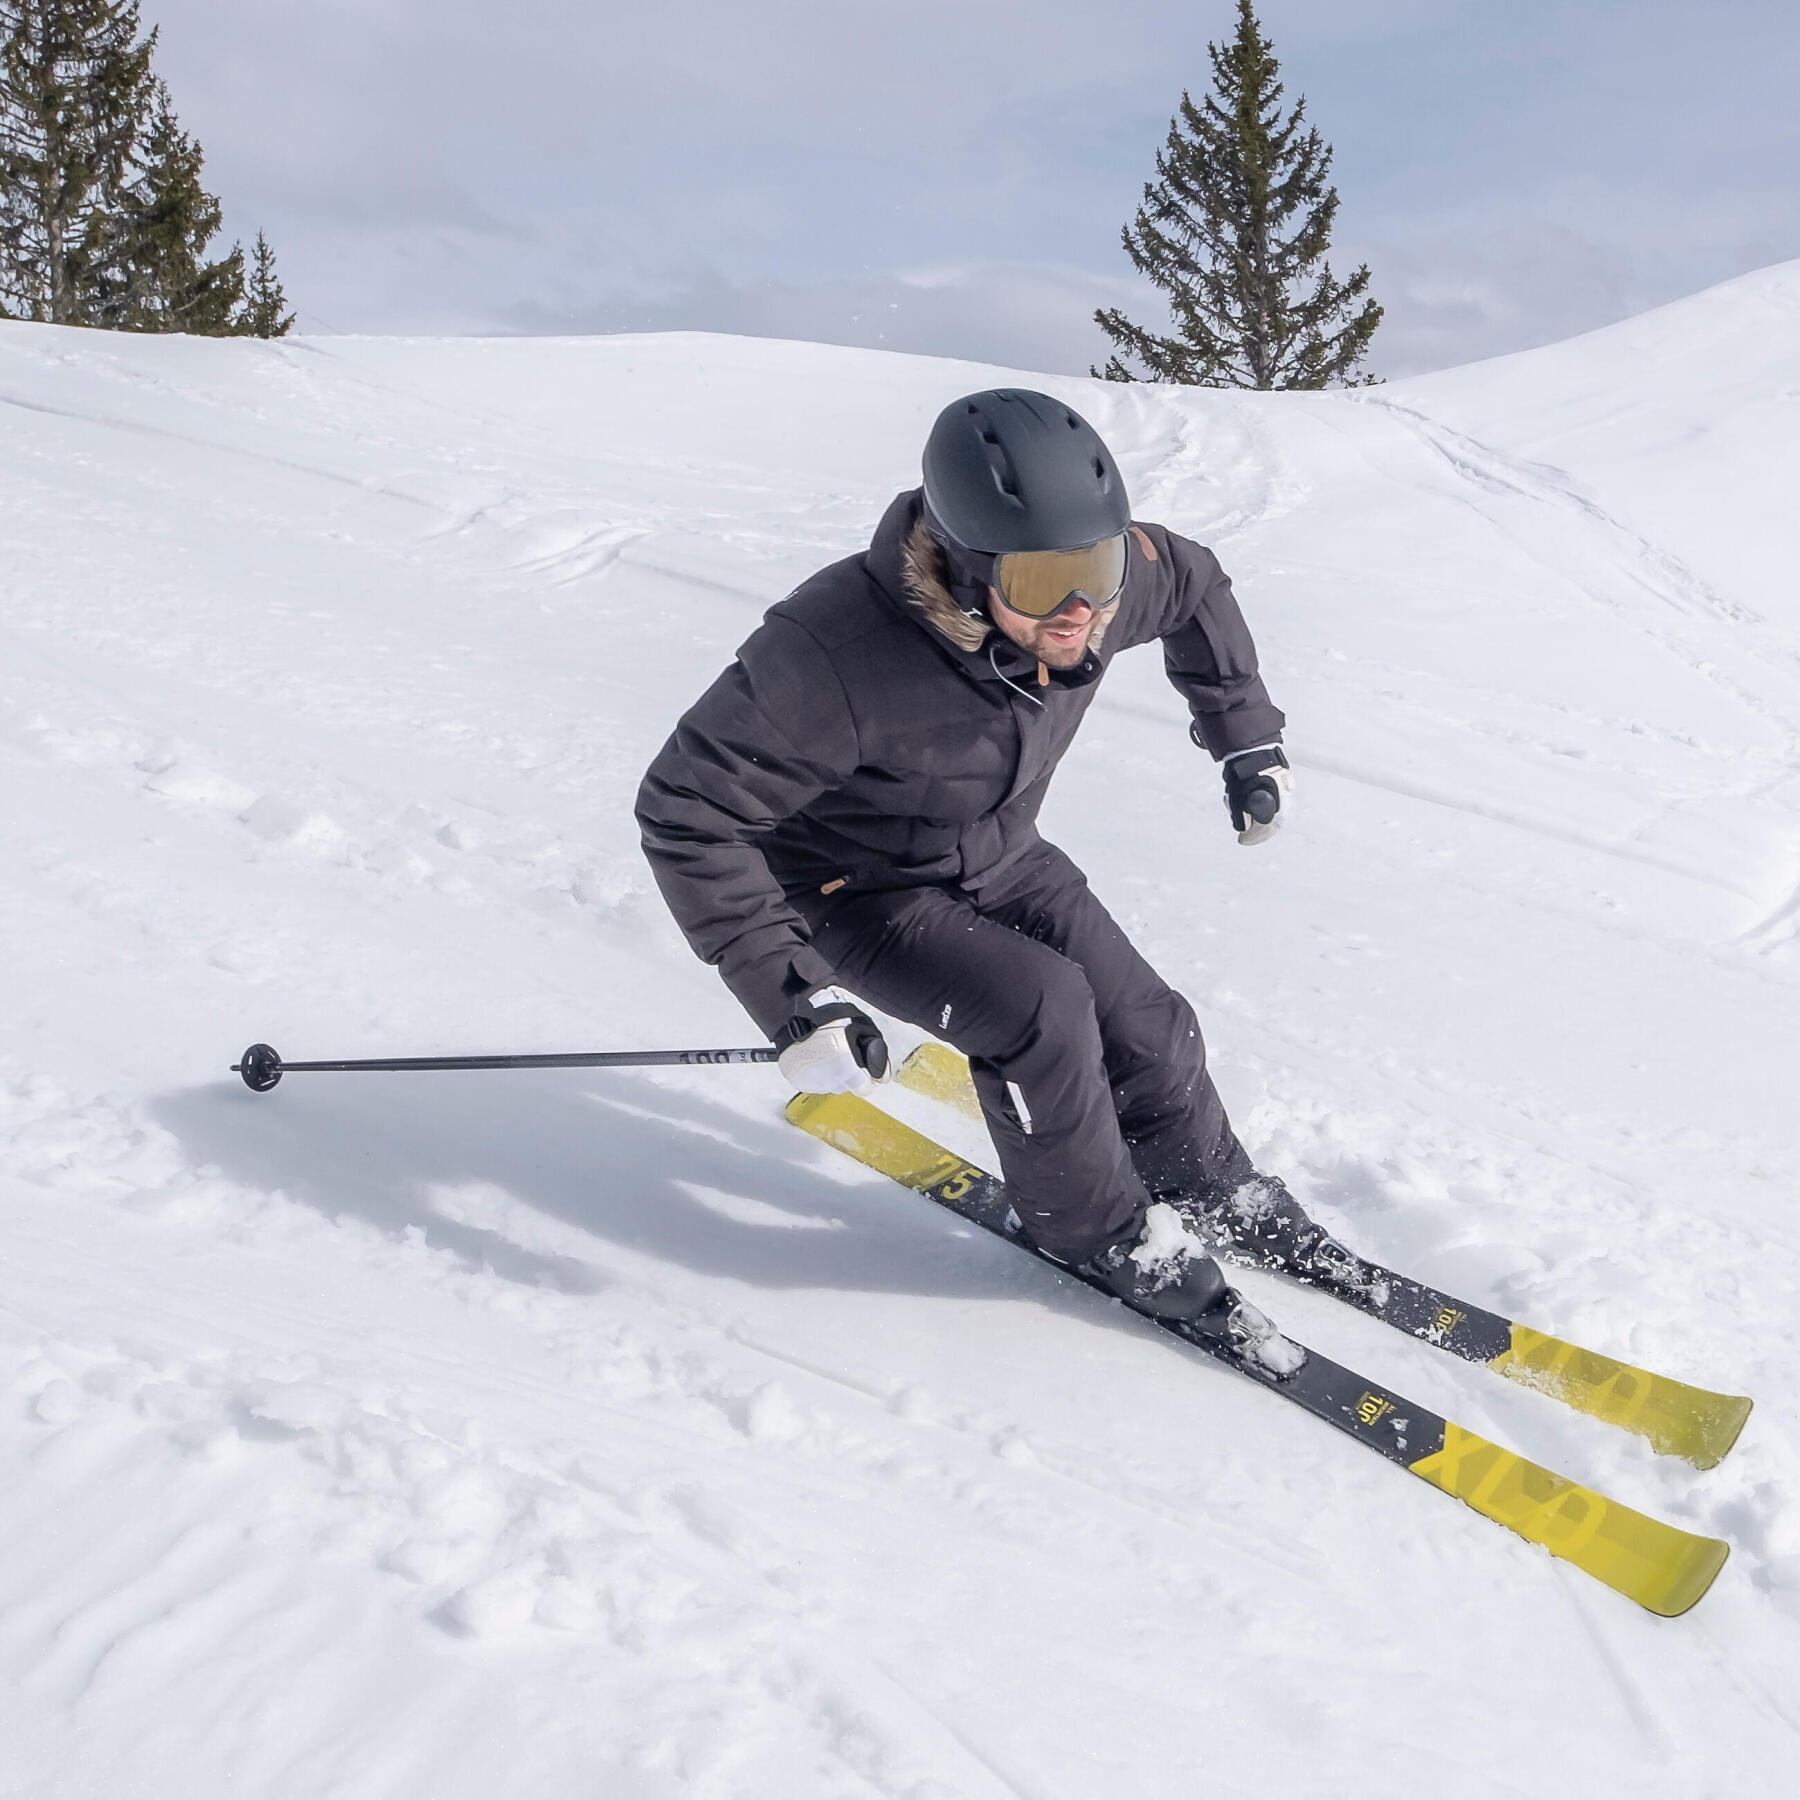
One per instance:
(773, 732)
(1207, 648)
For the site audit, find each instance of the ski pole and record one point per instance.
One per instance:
(262, 1068)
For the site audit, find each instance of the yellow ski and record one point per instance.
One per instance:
(1678, 1420)
(1659, 1566)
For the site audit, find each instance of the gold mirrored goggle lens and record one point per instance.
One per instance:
(1038, 582)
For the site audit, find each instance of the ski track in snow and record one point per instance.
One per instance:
(597, 1433)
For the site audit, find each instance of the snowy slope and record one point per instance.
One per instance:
(582, 1434)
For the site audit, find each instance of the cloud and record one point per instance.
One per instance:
(1510, 173)
(1462, 296)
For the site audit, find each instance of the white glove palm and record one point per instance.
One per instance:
(831, 1046)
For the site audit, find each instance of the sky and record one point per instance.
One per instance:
(951, 177)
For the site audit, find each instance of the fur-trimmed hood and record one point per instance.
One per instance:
(926, 578)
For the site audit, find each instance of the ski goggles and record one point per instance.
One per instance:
(1038, 583)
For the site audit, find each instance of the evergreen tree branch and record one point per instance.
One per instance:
(105, 219)
(1234, 232)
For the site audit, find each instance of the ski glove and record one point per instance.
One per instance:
(1257, 785)
(831, 1046)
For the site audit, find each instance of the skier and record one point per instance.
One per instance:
(848, 814)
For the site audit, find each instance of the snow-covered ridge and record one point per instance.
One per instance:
(541, 1435)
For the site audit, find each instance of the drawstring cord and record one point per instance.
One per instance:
(994, 659)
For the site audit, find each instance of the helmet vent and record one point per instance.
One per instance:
(1000, 464)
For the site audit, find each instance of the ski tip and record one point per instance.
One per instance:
(1724, 1424)
(1692, 1423)
(1684, 1579)
(1664, 1569)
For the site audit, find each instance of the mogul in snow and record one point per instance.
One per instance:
(848, 815)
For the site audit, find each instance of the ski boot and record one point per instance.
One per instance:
(1166, 1274)
(1262, 1226)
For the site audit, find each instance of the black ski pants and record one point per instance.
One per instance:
(1090, 1067)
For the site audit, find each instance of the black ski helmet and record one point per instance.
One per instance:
(1009, 470)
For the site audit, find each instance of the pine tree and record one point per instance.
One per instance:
(104, 217)
(74, 85)
(151, 274)
(1235, 231)
(263, 313)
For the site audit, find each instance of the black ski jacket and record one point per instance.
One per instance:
(870, 735)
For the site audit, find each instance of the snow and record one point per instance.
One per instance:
(1166, 1239)
(456, 1435)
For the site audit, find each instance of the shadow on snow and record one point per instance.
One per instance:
(627, 1161)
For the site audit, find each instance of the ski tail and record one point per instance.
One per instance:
(940, 1074)
(1659, 1566)
(1677, 1420)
